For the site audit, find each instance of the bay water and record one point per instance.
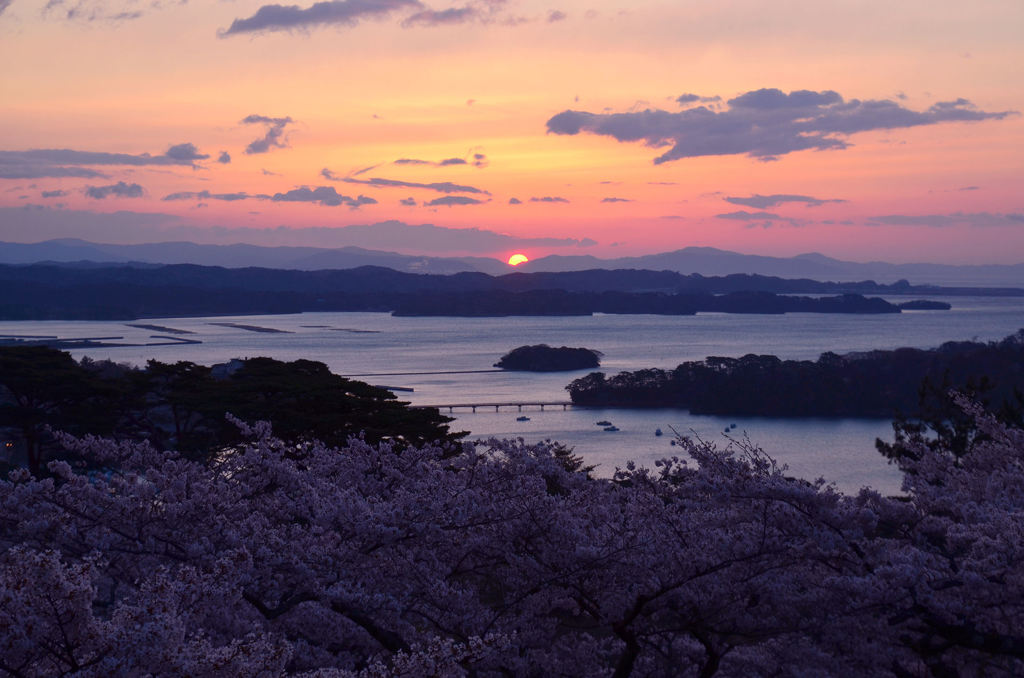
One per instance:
(449, 361)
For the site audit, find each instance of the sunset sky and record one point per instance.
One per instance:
(861, 129)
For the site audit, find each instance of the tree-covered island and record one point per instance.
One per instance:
(561, 302)
(865, 384)
(544, 358)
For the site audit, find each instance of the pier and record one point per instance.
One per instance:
(564, 404)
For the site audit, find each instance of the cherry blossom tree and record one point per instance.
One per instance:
(507, 559)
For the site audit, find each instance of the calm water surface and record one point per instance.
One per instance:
(393, 350)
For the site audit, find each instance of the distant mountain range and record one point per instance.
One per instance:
(702, 260)
(67, 250)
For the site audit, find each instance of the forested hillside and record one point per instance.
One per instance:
(130, 292)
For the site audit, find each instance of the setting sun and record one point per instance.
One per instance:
(517, 259)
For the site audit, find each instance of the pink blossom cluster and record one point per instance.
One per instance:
(495, 559)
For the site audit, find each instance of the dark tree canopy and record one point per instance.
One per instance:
(938, 424)
(42, 388)
(182, 406)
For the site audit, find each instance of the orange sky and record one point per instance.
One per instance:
(872, 166)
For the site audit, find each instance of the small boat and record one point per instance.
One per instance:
(611, 428)
(732, 425)
(523, 418)
(658, 432)
(603, 422)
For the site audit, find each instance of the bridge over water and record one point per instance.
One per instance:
(519, 405)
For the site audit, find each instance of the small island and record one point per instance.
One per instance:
(544, 358)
